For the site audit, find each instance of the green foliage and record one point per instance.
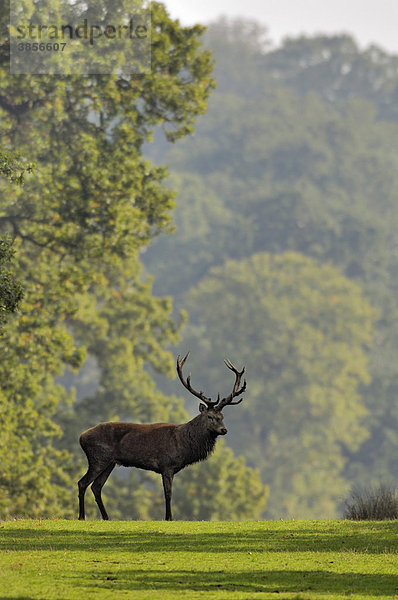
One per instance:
(14, 167)
(297, 153)
(221, 488)
(80, 224)
(301, 328)
(34, 349)
(10, 290)
(303, 184)
(293, 170)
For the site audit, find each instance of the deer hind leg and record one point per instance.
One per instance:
(167, 479)
(94, 470)
(97, 487)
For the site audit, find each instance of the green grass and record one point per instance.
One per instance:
(301, 560)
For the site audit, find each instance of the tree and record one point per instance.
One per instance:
(307, 184)
(10, 289)
(13, 168)
(79, 226)
(297, 153)
(302, 329)
(222, 488)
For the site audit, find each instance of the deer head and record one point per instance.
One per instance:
(213, 408)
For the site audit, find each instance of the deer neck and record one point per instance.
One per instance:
(198, 440)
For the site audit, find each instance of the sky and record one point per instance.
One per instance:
(369, 21)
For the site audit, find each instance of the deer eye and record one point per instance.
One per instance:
(210, 417)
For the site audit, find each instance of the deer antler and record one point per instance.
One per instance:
(187, 383)
(236, 390)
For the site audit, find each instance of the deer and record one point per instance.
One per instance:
(164, 448)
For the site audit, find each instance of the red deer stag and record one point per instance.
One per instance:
(161, 447)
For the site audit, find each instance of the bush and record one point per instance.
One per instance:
(372, 503)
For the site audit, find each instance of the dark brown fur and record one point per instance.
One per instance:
(161, 447)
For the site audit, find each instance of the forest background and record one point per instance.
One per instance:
(284, 258)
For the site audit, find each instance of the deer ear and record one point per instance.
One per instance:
(202, 407)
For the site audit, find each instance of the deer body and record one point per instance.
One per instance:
(164, 448)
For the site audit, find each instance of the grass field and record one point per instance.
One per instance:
(301, 560)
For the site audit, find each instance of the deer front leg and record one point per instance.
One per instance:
(167, 479)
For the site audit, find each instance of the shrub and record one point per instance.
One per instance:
(372, 503)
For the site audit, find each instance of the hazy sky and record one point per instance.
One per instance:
(370, 21)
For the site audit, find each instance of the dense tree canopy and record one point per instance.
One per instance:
(286, 237)
(300, 328)
(10, 288)
(79, 225)
(13, 168)
(297, 153)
